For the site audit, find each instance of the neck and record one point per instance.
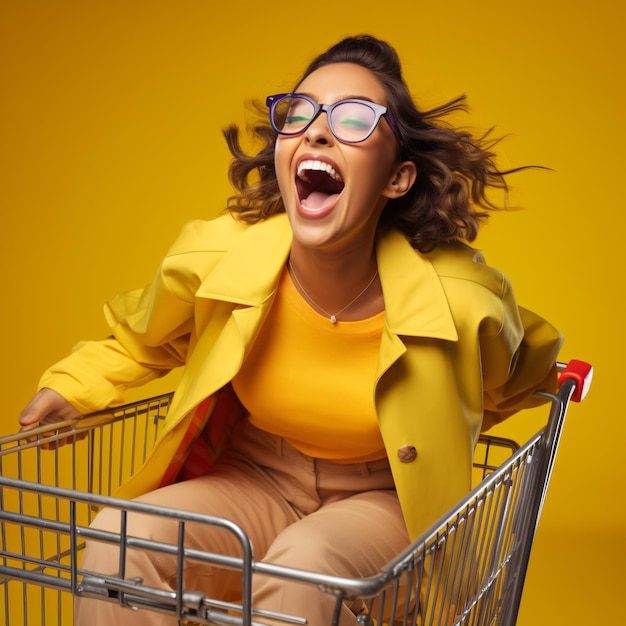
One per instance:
(339, 288)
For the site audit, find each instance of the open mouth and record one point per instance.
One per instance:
(318, 184)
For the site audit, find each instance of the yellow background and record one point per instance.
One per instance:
(110, 139)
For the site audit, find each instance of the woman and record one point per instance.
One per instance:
(343, 347)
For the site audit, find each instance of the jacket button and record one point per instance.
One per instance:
(406, 454)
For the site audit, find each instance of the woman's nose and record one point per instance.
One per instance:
(319, 131)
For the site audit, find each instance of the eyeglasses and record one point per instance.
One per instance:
(350, 121)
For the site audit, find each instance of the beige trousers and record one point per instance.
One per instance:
(312, 514)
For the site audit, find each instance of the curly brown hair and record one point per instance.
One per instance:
(455, 169)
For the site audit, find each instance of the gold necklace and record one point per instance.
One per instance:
(331, 317)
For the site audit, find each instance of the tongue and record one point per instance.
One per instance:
(317, 200)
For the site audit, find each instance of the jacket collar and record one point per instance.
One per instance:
(248, 272)
(415, 301)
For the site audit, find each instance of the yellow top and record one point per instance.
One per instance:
(310, 381)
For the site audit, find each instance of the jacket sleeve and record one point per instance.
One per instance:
(517, 361)
(151, 333)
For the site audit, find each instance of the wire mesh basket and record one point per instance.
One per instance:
(467, 569)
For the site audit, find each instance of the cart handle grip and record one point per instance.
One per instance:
(579, 371)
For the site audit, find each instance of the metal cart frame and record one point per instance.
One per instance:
(467, 569)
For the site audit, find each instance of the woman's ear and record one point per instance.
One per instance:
(402, 180)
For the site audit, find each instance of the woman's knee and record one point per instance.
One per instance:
(346, 539)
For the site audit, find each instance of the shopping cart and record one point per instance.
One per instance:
(467, 569)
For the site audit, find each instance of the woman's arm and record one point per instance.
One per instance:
(517, 361)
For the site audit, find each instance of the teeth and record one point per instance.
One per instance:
(318, 166)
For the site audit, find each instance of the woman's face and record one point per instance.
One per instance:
(334, 192)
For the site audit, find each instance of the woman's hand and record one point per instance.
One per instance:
(47, 408)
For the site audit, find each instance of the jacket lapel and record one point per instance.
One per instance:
(242, 286)
(415, 301)
(248, 273)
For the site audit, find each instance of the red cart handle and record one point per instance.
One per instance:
(582, 373)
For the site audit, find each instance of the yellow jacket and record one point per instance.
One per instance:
(456, 356)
